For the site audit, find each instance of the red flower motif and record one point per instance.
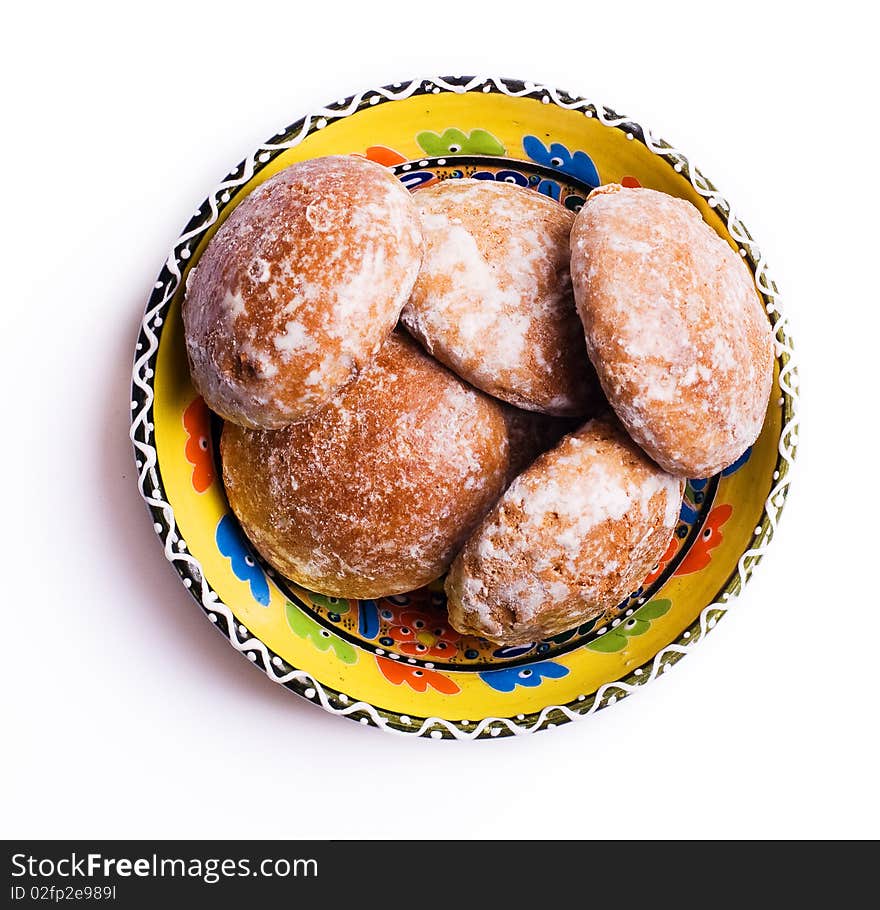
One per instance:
(657, 571)
(699, 556)
(381, 154)
(417, 678)
(197, 423)
(424, 635)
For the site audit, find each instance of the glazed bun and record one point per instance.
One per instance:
(493, 300)
(375, 493)
(674, 326)
(570, 539)
(299, 288)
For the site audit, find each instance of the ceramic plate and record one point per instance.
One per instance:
(395, 663)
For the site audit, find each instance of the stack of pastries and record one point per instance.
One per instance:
(471, 380)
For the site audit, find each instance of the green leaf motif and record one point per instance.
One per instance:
(654, 609)
(633, 626)
(338, 605)
(304, 626)
(609, 642)
(637, 624)
(456, 142)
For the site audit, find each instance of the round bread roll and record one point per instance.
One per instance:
(674, 326)
(493, 299)
(299, 288)
(571, 538)
(376, 492)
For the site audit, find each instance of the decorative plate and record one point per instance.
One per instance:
(396, 663)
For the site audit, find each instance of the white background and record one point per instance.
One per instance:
(126, 715)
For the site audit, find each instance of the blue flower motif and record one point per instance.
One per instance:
(688, 513)
(550, 188)
(579, 164)
(531, 675)
(368, 618)
(732, 468)
(693, 496)
(231, 543)
(412, 180)
(510, 651)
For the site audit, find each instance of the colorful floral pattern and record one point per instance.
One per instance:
(231, 543)
(615, 639)
(304, 626)
(700, 554)
(385, 156)
(198, 449)
(456, 142)
(337, 605)
(415, 180)
(575, 164)
(551, 188)
(663, 562)
(420, 679)
(694, 495)
(530, 676)
(368, 618)
(425, 635)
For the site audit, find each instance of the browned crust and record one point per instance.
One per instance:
(493, 300)
(572, 536)
(376, 492)
(299, 288)
(674, 326)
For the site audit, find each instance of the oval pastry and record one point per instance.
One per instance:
(493, 299)
(299, 288)
(573, 536)
(376, 492)
(674, 327)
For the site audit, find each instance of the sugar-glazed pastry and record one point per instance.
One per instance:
(674, 326)
(299, 288)
(375, 493)
(493, 299)
(573, 535)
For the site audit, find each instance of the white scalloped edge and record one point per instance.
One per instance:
(304, 683)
